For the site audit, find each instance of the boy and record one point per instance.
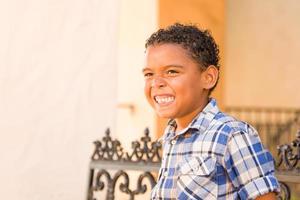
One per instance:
(206, 153)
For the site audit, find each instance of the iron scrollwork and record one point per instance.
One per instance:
(285, 193)
(144, 150)
(289, 155)
(109, 150)
(122, 178)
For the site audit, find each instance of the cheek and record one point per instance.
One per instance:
(147, 91)
(186, 89)
(179, 86)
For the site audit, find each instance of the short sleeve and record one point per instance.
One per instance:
(249, 165)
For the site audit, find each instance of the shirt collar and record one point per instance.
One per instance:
(200, 122)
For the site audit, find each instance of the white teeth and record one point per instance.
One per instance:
(164, 99)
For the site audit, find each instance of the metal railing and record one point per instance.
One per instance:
(109, 155)
(287, 165)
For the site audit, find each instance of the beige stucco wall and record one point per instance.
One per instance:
(57, 93)
(64, 68)
(262, 53)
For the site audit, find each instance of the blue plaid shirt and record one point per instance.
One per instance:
(215, 157)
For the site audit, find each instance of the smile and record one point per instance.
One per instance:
(164, 99)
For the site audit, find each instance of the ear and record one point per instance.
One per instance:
(210, 77)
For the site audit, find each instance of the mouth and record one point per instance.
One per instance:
(164, 100)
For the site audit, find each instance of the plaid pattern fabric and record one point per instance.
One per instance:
(215, 157)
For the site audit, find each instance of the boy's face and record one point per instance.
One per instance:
(173, 82)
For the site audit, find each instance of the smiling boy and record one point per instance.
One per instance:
(206, 153)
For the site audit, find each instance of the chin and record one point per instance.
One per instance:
(167, 115)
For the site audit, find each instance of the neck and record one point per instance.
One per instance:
(183, 122)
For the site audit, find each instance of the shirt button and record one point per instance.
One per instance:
(165, 174)
(173, 142)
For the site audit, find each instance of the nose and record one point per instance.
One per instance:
(158, 82)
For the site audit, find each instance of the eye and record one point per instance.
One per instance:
(148, 74)
(172, 72)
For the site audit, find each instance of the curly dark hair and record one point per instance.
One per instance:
(199, 44)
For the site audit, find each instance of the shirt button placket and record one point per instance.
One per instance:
(165, 174)
(173, 141)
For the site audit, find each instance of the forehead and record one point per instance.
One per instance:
(167, 54)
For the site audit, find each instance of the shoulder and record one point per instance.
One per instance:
(230, 126)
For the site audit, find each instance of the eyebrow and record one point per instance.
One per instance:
(165, 67)
(145, 69)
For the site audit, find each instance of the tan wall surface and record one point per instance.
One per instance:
(262, 53)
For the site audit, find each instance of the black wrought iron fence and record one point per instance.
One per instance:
(109, 155)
